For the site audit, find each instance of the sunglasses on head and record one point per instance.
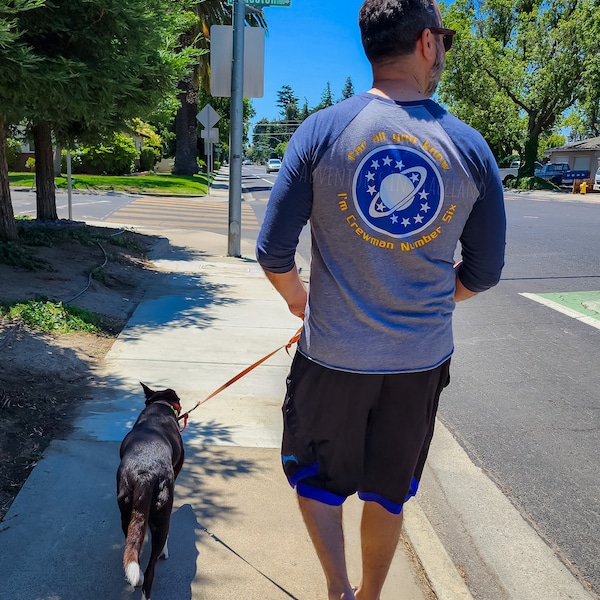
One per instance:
(447, 33)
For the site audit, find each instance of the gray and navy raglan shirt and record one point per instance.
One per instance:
(390, 189)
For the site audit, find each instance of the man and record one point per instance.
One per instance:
(391, 183)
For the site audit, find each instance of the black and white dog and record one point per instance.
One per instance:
(151, 458)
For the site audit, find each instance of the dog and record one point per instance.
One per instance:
(151, 457)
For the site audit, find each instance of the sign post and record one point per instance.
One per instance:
(237, 110)
(237, 106)
(208, 117)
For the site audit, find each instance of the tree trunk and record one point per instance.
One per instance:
(8, 227)
(530, 149)
(44, 173)
(186, 131)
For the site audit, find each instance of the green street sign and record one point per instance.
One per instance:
(263, 3)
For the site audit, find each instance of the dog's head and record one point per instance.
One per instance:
(169, 396)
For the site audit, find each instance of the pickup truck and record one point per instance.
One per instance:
(512, 172)
(560, 173)
(508, 173)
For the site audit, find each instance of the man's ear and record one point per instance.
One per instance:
(427, 45)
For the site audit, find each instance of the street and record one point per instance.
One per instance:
(524, 400)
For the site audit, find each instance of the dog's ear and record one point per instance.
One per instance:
(147, 391)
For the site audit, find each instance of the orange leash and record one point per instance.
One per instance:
(247, 370)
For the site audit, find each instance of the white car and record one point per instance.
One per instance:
(273, 165)
(597, 181)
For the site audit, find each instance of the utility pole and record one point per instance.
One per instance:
(237, 110)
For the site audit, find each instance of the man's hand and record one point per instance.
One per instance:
(292, 290)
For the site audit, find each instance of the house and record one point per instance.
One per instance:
(580, 156)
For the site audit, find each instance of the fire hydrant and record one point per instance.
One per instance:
(583, 188)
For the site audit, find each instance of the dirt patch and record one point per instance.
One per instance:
(44, 377)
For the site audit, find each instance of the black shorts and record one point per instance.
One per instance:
(358, 432)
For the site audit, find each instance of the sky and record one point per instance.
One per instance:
(308, 44)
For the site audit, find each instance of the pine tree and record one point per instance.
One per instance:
(348, 90)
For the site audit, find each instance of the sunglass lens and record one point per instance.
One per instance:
(447, 39)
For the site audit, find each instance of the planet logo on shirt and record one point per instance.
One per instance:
(398, 190)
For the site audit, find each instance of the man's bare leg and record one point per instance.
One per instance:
(379, 532)
(324, 525)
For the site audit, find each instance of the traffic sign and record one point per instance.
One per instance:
(208, 116)
(210, 135)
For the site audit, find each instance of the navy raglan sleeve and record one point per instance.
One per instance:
(289, 205)
(483, 239)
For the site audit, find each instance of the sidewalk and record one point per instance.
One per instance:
(236, 531)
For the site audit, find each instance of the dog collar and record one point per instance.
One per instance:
(176, 408)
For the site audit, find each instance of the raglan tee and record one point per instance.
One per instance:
(390, 190)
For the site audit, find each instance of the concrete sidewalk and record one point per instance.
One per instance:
(236, 531)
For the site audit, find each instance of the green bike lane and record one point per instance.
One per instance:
(583, 306)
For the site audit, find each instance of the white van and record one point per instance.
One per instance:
(597, 180)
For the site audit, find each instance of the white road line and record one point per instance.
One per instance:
(563, 309)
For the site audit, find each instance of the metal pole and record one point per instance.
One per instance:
(69, 186)
(237, 109)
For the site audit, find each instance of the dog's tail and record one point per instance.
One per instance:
(136, 531)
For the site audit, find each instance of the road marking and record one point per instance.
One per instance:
(180, 212)
(583, 306)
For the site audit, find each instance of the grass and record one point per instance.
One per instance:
(56, 317)
(154, 183)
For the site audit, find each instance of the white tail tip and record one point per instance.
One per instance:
(134, 575)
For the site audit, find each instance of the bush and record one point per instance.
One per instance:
(13, 149)
(30, 164)
(149, 156)
(114, 156)
(531, 183)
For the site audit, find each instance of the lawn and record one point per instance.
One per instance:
(163, 183)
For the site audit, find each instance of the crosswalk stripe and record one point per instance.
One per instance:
(182, 212)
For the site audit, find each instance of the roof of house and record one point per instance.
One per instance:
(589, 144)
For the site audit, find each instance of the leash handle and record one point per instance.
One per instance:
(241, 374)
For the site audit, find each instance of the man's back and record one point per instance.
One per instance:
(390, 188)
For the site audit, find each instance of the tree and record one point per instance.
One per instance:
(17, 67)
(285, 99)
(102, 64)
(326, 98)
(348, 90)
(202, 14)
(519, 59)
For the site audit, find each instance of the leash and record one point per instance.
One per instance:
(220, 541)
(247, 370)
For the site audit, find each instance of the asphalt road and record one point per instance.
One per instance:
(524, 399)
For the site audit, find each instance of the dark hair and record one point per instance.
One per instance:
(390, 28)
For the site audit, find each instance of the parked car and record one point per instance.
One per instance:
(273, 165)
(597, 181)
(247, 162)
(560, 173)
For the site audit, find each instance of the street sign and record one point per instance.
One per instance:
(221, 58)
(210, 135)
(208, 116)
(262, 3)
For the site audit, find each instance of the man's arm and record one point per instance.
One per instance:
(292, 290)
(461, 292)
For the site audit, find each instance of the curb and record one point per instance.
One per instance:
(443, 576)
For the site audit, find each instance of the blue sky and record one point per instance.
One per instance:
(309, 44)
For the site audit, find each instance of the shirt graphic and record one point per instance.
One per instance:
(398, 190)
